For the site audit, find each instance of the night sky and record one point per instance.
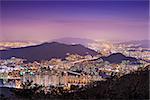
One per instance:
(99, 20)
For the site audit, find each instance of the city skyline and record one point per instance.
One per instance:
(64, 50)
(98, 20)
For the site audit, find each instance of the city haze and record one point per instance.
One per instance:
(48, 20)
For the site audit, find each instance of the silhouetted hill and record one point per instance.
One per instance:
(45, 51)
(118, 58)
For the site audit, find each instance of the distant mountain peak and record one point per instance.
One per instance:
(116, 55)
(71, 40)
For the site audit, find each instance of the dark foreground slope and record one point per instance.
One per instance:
(46, 51)
(131, 86)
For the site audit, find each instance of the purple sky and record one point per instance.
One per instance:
(47, 20)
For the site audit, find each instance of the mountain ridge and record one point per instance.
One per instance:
(46, 51)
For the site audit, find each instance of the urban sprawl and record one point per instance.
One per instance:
(74, 69)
